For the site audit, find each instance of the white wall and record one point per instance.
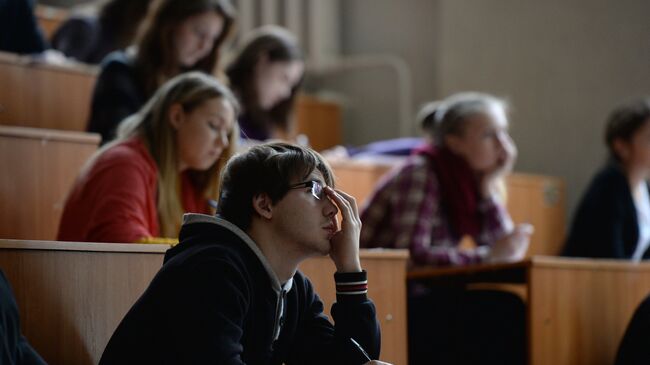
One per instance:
(377, 27)
(562, 64)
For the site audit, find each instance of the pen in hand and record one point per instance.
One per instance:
(361, 350)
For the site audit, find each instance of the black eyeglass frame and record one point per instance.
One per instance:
(315, 185)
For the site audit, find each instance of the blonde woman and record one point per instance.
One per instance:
(165, 161)
(450, 188)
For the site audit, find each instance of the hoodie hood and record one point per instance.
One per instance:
(187, 241)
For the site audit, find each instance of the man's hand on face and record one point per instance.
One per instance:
(345, 242)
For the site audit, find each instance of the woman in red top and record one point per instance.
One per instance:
(165, 161)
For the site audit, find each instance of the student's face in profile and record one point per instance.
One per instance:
(484, 141)
(202, 133)
(635, 153)
(195, 36)
(307, 223)
(275, 80)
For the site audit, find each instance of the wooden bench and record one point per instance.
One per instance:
(39, 167)
(535, 199)
(577, 309)
(59, 97)
(320, 121)
(72, 296)
(45, 96)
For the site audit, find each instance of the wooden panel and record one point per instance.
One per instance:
(539, 200)
(578, 312)
(70, 302)
(359, 177)
(386, 287)
(71, 296)
(45, 96)
(38, 169)
(320, 121)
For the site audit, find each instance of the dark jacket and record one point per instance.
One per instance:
(605, 223)
(634, 349)
(117, 95)
(14, 348)
(216, 301)
(19, 30)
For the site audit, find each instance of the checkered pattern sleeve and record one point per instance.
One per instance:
(405, 212)
(496, 222)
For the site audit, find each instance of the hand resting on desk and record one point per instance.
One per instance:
(513, 246)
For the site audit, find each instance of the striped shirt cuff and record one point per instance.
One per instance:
(351, 286)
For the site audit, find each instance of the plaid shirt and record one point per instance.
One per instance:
(404, 211)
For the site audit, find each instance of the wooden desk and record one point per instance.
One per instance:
(536, 199)
(72, 296)
(45, 96)
(359, 177)
(39, 167)
(320, 121)
(577, 309)
(541, 201)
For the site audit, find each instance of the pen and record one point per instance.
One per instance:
(363, 352)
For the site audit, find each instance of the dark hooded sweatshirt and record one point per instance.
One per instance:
(217, 301)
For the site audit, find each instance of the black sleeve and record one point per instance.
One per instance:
(601, 225)
(634, 349)
(320, 342)
(116, 96)
(14, 348)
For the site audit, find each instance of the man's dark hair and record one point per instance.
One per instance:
(265, 169)
(625, 121)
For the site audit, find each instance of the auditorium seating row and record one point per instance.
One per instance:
(72, 295)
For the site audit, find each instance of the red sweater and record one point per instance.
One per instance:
(115, 199)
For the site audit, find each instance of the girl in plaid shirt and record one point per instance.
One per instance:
(449, 188)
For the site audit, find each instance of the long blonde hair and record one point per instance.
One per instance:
(151, 124)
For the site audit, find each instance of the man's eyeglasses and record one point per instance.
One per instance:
(316, 188)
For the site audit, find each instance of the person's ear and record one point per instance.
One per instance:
(262, 62)
(454, 143)
(263, 205)
(176, 115)
(621, 149)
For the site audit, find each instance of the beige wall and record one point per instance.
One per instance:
(562, 64)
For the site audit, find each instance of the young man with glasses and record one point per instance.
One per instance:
(230, 292)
